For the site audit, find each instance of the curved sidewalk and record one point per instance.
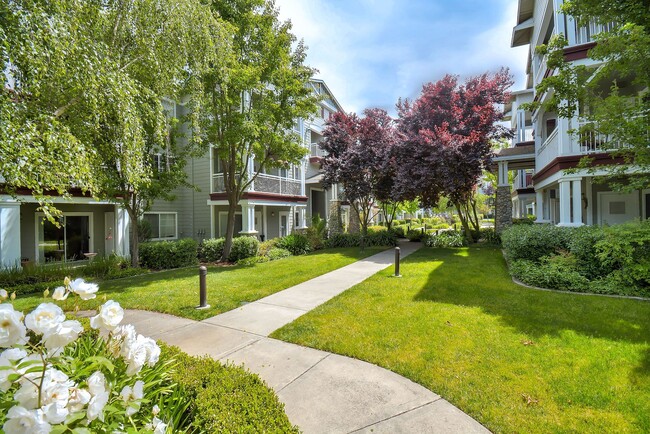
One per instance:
(322, 392)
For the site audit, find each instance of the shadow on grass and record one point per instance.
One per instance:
(479, 277)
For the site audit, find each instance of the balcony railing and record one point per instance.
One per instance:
(264, 183)
(586, 34)
(317, 151)
(525, 181)
(591, 140)
(548, 151)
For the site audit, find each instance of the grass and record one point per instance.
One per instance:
(515, 359)
(177, 291)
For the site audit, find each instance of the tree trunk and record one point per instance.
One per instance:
(233, 201)
(135, 240)
(463, 221)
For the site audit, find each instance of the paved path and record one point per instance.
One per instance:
(322, 392)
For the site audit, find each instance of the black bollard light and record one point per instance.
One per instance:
(203, 288)
(397, 254)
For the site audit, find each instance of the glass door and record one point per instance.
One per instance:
(67, 241)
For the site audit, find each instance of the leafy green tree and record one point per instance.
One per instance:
(82, 101)
(615, 97)
(252, 100)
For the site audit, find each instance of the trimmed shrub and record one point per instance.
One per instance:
(415, 235)
(400, 230)
(278, 253)
(625, 250)
(243, 247)
(490, 236)
(376, 228)
(212, 249)
(445, 239)
(267, 245)
(226, 398)
(582, 244)
(532, 242)
(164, 255)
(381, 238)
(549, 274)
(295, 243)
(343, 240)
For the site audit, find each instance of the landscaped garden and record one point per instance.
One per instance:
(517, 359)
(177, 291)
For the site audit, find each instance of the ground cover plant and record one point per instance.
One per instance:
(608, 260)
(516, 359)
(177, 291)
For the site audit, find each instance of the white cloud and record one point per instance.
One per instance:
(372, 53)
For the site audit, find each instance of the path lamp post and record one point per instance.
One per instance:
(203, 288)
(397, 254)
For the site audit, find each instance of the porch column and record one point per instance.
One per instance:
(122, 229)
(303, 168)
(539, 206)
(565, 203)
(302, 217)
(10, 253)
(503, 218)
(248, 218)
(577, 202)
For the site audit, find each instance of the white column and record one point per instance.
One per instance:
(10, 253)
(590, 202)
(303, 169)
(302, 217)
(577, 202)
(251, 172)
(539, 206)
(565, 203)
(122, 227)
(248, 218)
(563, 136)
(503, 174)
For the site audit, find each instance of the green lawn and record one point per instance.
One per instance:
(516, 359)
(177, 291)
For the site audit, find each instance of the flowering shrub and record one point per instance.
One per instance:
(54, 377)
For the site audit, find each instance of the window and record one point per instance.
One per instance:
(163, 225)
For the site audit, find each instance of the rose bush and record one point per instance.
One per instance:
(56, 378)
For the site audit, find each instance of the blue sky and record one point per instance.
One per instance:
(371, 52)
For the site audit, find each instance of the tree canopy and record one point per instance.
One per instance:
(449, 130)
(252, 100)
(82, 96)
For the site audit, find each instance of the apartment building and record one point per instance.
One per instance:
(546, 150)
(277, 202)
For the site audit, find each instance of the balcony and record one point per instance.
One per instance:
(317, 151)
(548, 151)
(586, 34)
(265, 184)
(590, 140)
(523, 182)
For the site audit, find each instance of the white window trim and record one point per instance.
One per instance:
(158, 213)
(91, 231)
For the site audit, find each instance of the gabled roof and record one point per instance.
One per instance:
(337, 105)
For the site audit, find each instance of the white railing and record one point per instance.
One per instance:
(523, 135)
(590, 140)
(540, 68)
(524, 181)
(263, 183)
(586, 34)
(548, 151)
(317, 151)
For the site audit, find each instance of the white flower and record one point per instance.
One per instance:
(27, 395)
(8, 359)
(68, 331)
(157, 426)
(109, 317)
(3, 294)
(84, 289)
(132, 396)
(55, 393)
(60, 293)
(45, 319)
(21, 420)
(78, 399)
(143, 350)
(99, 393)
(12, 329)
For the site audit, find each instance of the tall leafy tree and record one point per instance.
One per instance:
(82, 101)
(252, 100)
(359, 156)
(449, 129)
(615, 97)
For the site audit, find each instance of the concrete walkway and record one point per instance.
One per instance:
(322, 392)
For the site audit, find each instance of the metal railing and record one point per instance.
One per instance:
(264, 183)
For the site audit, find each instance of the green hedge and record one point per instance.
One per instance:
(163, 255)
(445, 239)
(382, 238)
(226, 398)
(243, 247)
(610, 260)
(212, 249)
(297, 244)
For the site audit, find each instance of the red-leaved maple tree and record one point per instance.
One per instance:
(448, 133)
(359, 157)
